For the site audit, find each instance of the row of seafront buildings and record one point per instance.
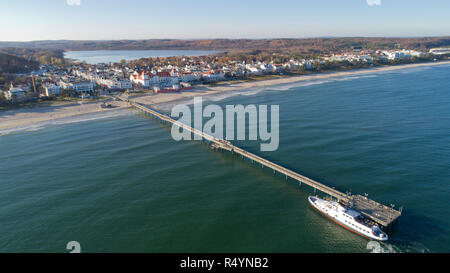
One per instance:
(15, 93)
(369, 56)
(128, 79)
(25, 92)
(84, 80)
(174, 79)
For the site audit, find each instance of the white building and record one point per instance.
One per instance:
(213, 76)
(142, 79)
(83, 87)
(116, 83)
(308, 65)
(349, 58)
(164, 78)
(251, 71)
(147, 79)
(125, 84)
(78, 87)
(189, 77)
(364, 58)
(402, 54)
(16, 93)
(416, 53)
(440, 50)
(52, 90)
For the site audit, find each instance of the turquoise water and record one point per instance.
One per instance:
(107, 56)
(121, 184)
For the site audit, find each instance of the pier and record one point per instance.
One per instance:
(379, 213)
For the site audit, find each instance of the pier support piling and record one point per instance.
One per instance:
(377, 212)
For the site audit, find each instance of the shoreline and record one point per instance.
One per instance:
(17, 118)
(156, 100)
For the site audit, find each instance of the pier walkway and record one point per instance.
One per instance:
(377, 212)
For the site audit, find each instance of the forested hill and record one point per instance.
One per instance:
(316, 45)
(41, 55)
(16, 60)
(14, 64)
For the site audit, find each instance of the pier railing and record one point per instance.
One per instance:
(377, 212)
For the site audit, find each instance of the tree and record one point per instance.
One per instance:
(2, 98)
(57, 61)
(66, 93)
(45, 59)
(317, 66)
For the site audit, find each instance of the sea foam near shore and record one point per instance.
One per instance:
(67, 120)
(23, 118)
(251, 91)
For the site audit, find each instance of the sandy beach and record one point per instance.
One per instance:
(204, 90)
(27, 116)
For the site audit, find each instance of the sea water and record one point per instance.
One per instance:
(120, 183)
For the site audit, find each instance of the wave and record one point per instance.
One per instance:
(252, 91)
(408, 70)
(283, 87)
(397, 247)
(412, 70)
(74, 119)
(287, 87)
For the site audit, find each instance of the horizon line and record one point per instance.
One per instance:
(197, 39)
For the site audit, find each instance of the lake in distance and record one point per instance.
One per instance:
(115, 56)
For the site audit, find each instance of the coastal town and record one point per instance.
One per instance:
(225, 136)
(175, 74)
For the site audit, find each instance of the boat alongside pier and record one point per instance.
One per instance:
(381, 214)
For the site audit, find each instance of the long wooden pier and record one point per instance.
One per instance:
(377, 212)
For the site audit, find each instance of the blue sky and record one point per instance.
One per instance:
(24, 20)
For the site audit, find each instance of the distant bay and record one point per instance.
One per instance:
(115, 56)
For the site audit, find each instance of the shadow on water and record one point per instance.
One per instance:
(410, 239)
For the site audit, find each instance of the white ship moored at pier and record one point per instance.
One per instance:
(348, 218)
